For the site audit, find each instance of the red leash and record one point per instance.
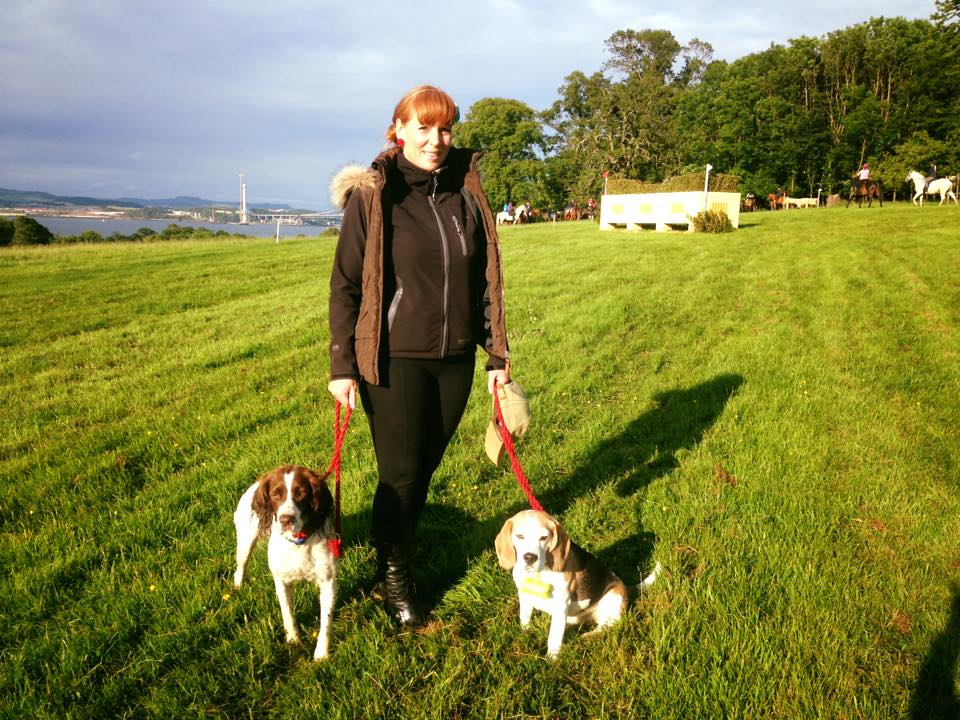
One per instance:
(339, 433)
(512, 453)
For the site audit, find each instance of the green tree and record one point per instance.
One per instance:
(623, 120)
(807, 115)
(948, 13)
(512, 139)
(634, 53)
(6, 232)
(27, 231)
(558, 181)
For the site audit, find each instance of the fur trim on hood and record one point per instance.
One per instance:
(350, 178)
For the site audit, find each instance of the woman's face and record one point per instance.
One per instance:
(426, 146)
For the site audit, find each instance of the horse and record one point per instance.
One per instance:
(571, 213)
(776, 199)
(750, 204)
(520, 215)
(943, 187)
(590, 211)
(807, 202)
(868, 189)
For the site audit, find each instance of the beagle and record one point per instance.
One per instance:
(557, 576)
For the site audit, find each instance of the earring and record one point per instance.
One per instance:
(400, 142)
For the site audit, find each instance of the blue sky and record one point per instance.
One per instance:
(112, 98)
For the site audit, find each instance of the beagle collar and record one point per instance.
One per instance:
(533, 585)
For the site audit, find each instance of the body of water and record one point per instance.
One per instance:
(76, 226)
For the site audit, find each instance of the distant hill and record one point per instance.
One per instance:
(36, 198)
(181, 202)
(28, 198)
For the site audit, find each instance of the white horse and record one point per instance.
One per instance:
(943, 187)
(521, 214)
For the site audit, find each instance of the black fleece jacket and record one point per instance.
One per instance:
(434, 263)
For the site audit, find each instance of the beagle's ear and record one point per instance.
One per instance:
(506, 553)
(559, 547)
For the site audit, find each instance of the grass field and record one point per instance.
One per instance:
(771, 414)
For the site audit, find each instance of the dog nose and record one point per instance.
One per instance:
(285, 521)
(529, 558)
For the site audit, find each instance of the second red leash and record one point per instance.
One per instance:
(511, 451)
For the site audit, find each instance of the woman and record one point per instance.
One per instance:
(416, 285)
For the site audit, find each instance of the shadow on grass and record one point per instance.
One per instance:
(934, 696)
(647, 448)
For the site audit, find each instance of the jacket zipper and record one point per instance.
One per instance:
(431, 199)
(394, 304)
(463, 240)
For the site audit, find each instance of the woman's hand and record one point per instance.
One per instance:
(345, 391)
(502, 377)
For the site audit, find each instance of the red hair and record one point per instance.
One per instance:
(428, 103)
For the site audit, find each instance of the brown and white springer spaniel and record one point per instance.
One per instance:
(292, 505)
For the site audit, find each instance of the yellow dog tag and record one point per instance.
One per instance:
(533, 585)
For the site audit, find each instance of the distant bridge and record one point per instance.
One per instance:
(329, 218)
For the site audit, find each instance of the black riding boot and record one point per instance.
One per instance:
(396, 585)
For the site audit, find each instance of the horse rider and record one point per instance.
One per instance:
(862, 175)
(931, 176)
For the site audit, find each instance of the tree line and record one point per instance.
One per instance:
(802, 116)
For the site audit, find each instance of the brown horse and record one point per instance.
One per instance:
(776, 199)
(868, 189)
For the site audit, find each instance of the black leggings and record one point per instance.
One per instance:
(412, 419)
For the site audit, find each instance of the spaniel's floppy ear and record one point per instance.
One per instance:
(559, 547)
(261, 500)
(321, 499)
(506, 553)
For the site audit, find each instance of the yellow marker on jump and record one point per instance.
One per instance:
(533, 585)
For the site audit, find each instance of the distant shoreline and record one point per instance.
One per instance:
(68, 225)
(105, 215)
(91, 215)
